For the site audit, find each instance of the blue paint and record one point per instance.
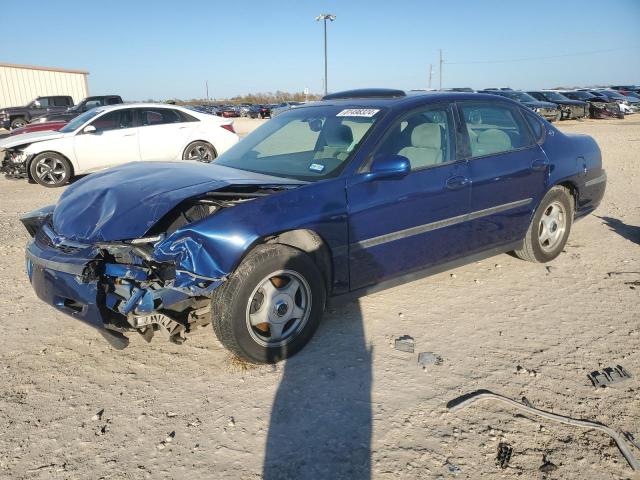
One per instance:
(346, 211)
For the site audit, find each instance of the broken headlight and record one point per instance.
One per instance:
(17, 157)
(32, 221)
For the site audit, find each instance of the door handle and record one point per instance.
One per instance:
(539, 165)
(457, 182)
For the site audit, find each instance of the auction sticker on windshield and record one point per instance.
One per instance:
(358, 112)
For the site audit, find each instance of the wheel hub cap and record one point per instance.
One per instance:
(552, 226)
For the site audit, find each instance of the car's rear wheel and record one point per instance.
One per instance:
(269, 308)
(50, 169)
(200, 151)
(18, 123)
(550, 227)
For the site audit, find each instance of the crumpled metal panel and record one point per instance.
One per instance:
(124, 202)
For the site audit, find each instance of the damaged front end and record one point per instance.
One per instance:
(145, 285)
(14, 163)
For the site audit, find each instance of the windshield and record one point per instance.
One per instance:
(520, 96)
(613, 94)
(308, 143)
(554, 96)
(578, 95)
(77, 122)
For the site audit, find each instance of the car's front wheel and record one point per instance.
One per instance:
(50, 169)
(18, 123)
(269, 308)
(549, 228)
(200, 151)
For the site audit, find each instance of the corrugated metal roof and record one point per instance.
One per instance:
(47, 69)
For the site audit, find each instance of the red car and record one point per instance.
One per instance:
(38, 127)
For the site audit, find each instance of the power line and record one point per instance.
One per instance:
(514, 60)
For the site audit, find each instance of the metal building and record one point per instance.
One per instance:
(19, 84)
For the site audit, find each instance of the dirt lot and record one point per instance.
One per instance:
(349, 406)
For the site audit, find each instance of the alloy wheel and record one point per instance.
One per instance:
(278, 308)
(553, 224)
(51, 170)
(200, 153)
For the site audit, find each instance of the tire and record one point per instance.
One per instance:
(18, 122)
(239, 304)
(544, 242)
(50, 169)
(200, 151)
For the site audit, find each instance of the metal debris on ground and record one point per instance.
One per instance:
(504, 454)
(469, 398)
(547, 465)
(405, 343)
(429, 358)
(608, 376)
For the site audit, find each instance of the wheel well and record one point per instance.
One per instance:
(310, 242)
(28, 165)
(573, 190)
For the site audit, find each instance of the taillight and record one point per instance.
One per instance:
(228, 126)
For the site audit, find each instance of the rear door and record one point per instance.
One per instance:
(400, 225)
(508, 171)
(114, 142)
(163, 133)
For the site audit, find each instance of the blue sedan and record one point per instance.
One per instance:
(363, 190)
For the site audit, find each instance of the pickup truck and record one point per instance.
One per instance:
(82, 106)
(16, 117)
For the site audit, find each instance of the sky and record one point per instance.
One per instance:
(161, 49)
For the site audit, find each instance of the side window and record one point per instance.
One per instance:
(60, 101)
(424, 137)
(187, 118)
(91, 104)
(158, 116)
(494, 128)
(536, 126)
(113, 101)
(116, 120)
(44, 102)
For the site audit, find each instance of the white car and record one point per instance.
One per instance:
(107, 136)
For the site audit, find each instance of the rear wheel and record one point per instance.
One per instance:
(50, 169)
(269, 308)
(549, 228)
(200, 151)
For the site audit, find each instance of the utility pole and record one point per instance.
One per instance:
(206, 83)
(325, 17)
(441, 62)
(430, 71)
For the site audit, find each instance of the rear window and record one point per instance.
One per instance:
(494, 128)
(61, 102)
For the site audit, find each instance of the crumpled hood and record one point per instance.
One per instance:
(123, 203)
(24, 138)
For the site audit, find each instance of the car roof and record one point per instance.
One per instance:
(119, 106)
(414, 98)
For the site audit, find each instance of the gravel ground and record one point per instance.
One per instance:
(349, 405)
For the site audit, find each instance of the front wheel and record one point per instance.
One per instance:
(549, 228)
(18, 123)
(269, 308)
(50, 169)
(199, 151)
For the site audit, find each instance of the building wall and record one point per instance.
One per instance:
(19, 84)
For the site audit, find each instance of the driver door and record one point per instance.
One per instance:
(114, 142)
(400, 225)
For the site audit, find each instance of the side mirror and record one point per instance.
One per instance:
(89, 129)
(393, 166)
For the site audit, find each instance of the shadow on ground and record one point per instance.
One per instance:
(321, 417)
(630, 232)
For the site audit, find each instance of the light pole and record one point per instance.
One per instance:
(325, 17)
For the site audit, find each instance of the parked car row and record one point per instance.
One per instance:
(51, 108)
(555, 105)
(231, 111)
(106, 136)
